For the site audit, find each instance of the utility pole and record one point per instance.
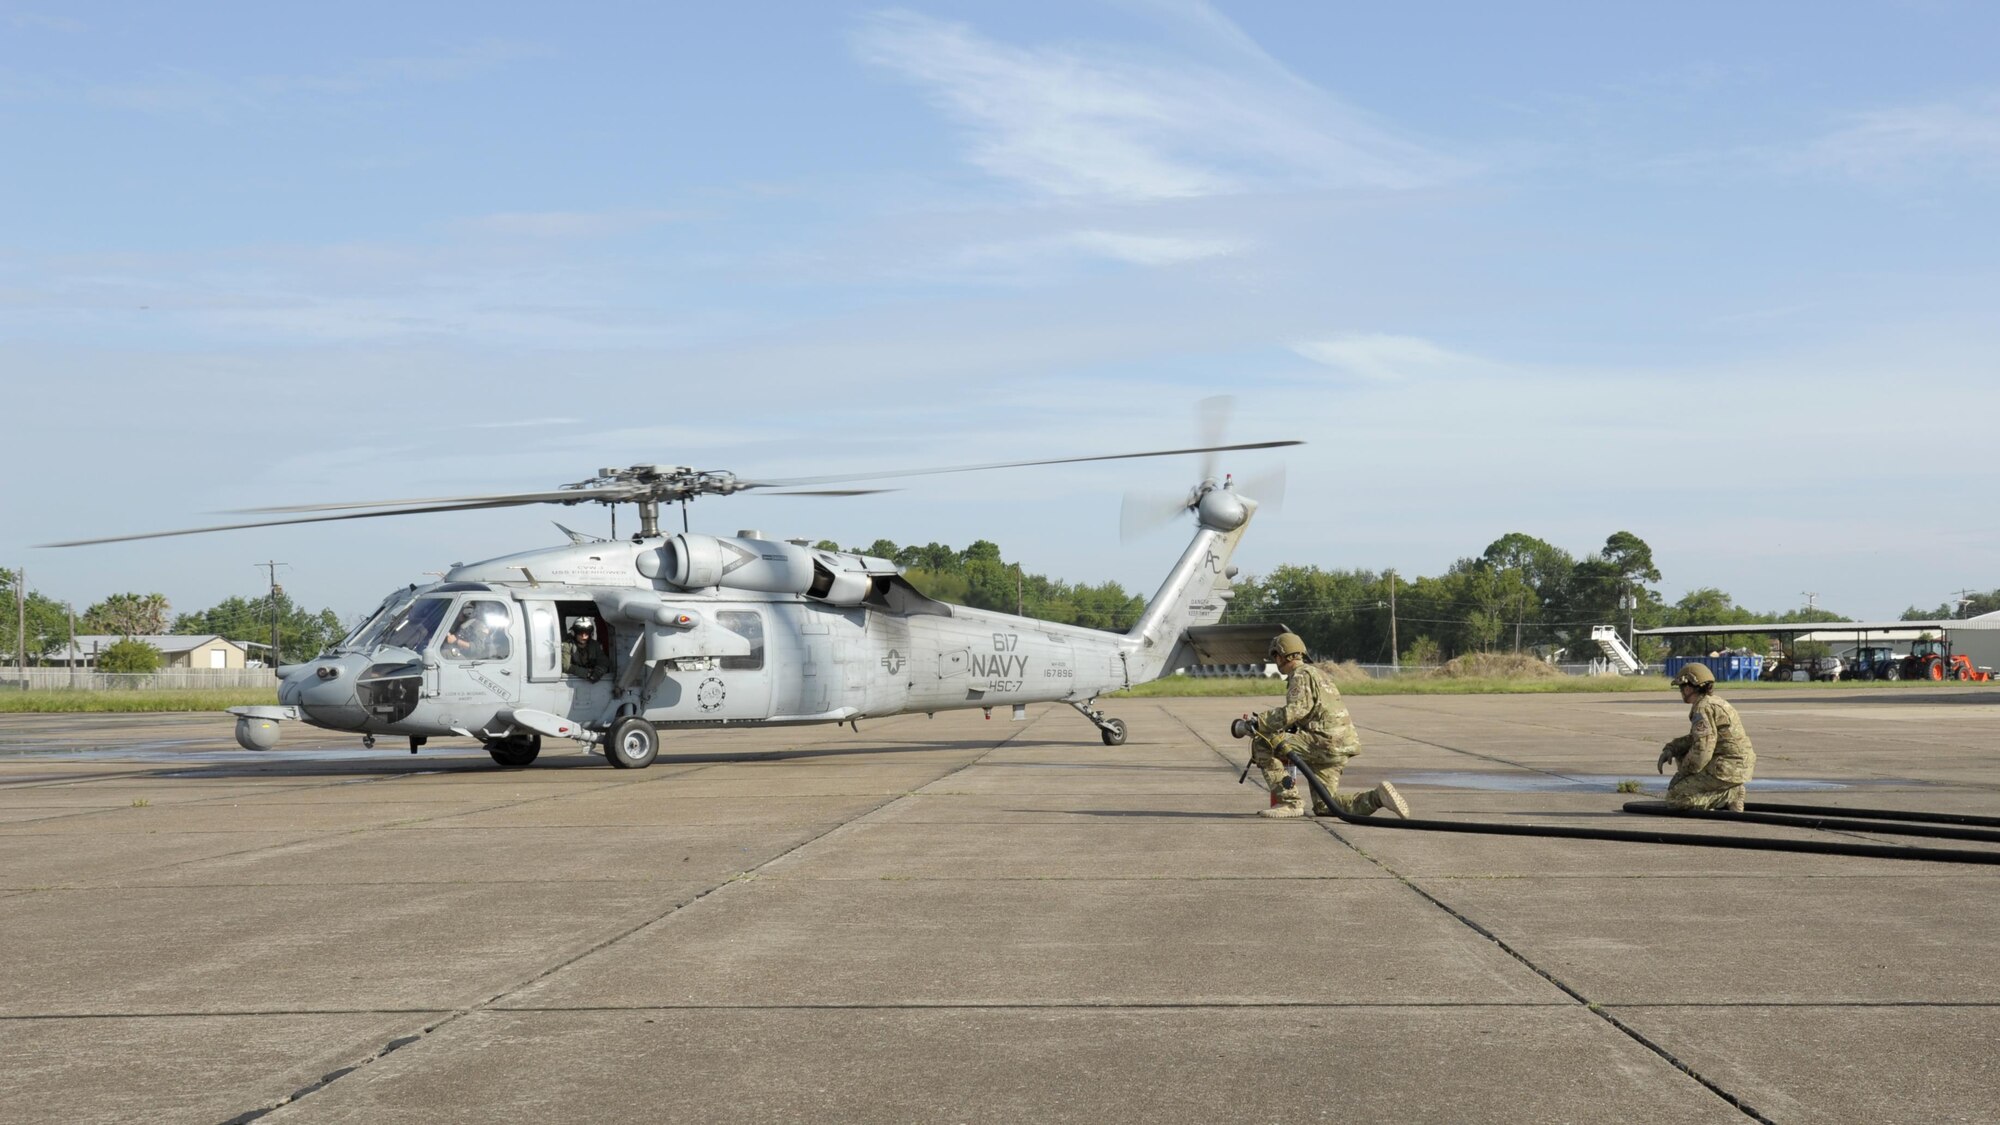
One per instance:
(1812, 600)
(1395, 654)
(272, 568)
(1964, 599)
(72, 643)
(21, 624)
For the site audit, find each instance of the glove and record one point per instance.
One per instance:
(593, 675)
(1666, 756)
(1242, 728)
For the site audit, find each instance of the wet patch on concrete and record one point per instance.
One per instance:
(1598, 783)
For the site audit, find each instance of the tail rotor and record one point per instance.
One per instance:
(1145, 512)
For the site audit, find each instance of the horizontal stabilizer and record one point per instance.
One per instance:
(1232, 644)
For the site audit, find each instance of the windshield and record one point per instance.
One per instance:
(414, 625)
(366, 633)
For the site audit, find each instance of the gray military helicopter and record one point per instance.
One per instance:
(702, 631)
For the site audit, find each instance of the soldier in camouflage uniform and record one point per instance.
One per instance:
(1313, 723)
(1714, 759)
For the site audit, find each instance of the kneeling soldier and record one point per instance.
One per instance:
(1712, 760)
(1313, 724)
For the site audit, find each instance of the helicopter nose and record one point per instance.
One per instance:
(326, 691)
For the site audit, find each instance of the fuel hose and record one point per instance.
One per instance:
(1685, 839)
(1812, 816)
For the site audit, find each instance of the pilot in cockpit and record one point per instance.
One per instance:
(479, 633)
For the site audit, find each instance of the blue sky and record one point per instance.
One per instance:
(1723, 275)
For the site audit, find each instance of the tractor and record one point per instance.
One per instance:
(1931, 660)
(1873, 662)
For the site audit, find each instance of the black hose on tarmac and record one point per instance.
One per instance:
(1853, 820)
(1871, 814)
(1685, 839)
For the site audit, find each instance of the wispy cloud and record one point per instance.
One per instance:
(177, 90)
(1903, 142)
(1073, 122)
(568, 224)
(42, 21)
(1385, 358)
(1032, 259)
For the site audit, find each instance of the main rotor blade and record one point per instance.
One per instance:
(559, 496)
(791, 481)
(833, 492)
(501, 503)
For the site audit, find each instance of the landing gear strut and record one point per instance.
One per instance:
(1112, 731)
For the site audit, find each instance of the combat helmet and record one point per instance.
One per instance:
(1288, 644)
(1695, 676)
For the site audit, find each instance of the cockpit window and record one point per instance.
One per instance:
(480, 631)
(368, 632)
(413, 627)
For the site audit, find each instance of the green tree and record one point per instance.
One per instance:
(880, 549)
(1340, 614)
(128, 655)
(128, 615)
(1972, 606)
(1544, 576)
(301, 632)
(47, 620)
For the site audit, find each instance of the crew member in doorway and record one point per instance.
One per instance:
(584, 656)
(1314, 724)
(1713, 760)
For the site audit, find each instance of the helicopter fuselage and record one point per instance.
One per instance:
(705, 631)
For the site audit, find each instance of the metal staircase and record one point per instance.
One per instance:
(1616, 652)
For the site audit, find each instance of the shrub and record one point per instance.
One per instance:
(128, 655)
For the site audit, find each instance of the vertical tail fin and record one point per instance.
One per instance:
(1197, 590)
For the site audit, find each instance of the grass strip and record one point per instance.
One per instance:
(66, 701)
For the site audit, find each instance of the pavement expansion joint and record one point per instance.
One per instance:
(209, 1015)
(1064, 1006)
(1589, 1005)
(493, 1002)
(1327, 825)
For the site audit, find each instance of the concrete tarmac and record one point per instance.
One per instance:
(968, 920)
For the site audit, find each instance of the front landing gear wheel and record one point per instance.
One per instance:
(1113, 732)
(632, 744)
(517, 751)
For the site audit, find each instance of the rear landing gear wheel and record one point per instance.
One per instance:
(1113, 732)
(516, 752)
(632, 744)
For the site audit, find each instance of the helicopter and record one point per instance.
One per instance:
(708, 631)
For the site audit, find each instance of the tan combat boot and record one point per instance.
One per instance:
(1285, 803)
(1735, 800)
(1387, 797)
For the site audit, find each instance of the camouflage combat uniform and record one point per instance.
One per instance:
(1713, 759)
(1314, 724)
